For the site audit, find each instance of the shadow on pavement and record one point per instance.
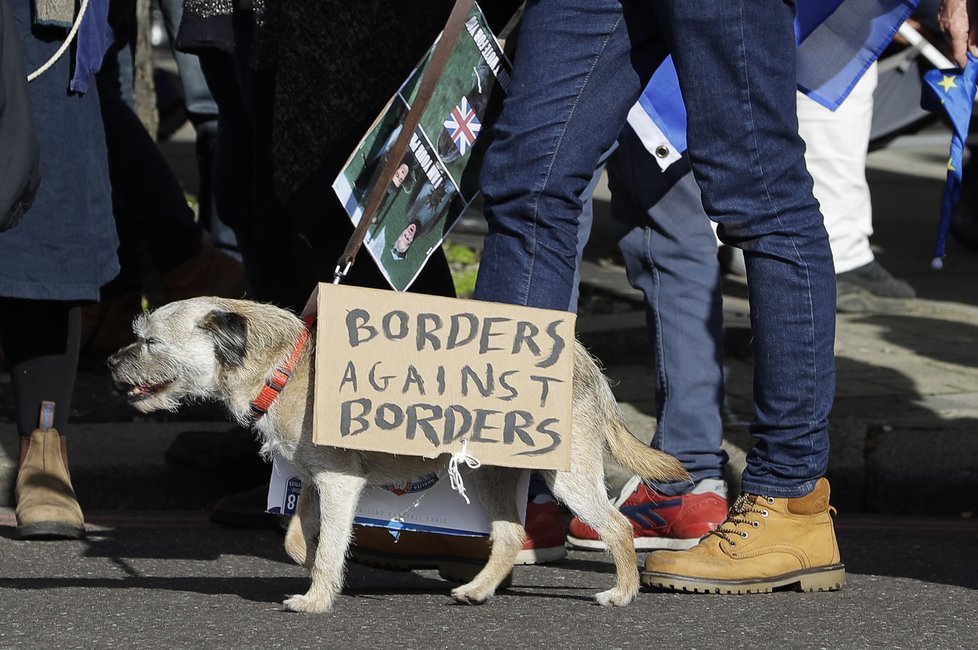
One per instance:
(935, 550)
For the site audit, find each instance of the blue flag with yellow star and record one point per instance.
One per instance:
(953, 91)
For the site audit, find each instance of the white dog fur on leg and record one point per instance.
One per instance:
(226, 350)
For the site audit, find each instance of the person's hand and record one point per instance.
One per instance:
(959, 20)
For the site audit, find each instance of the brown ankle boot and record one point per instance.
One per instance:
(765, 543)
(107, 325)
(46, 504)
(211, 272)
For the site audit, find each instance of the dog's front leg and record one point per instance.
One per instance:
(303, 533)
(498, 491)
(338, 497)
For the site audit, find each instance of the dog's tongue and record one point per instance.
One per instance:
(139, 392)
(135, 391)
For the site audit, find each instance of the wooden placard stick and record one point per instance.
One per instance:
(439, 59)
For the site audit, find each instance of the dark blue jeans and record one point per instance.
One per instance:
(580, 67)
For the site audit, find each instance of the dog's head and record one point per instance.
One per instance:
(182, 350)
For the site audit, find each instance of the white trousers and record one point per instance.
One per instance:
(837, 143)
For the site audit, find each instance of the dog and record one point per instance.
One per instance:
(226, 350)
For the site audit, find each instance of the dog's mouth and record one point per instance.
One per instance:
(141, 392)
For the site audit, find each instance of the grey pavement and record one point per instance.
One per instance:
(904, 471)
(169, 580)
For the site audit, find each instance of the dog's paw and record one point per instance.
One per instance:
(307, 604)
(469, 596)
(615, 597)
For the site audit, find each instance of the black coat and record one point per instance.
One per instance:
(65, 248)
(20, 170)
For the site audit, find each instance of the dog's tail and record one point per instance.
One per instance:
(640, 459)
(593, 392)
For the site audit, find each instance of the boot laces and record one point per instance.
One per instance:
(739, 515)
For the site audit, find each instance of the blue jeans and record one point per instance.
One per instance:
(670, 255)
(580, 67)
(197, 97)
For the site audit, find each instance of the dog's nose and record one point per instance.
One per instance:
(113, 361)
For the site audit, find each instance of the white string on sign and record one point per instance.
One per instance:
(454, 475)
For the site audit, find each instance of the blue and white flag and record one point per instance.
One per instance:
(952, 91)
(837, 41)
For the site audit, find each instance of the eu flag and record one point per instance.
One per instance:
(954, 91)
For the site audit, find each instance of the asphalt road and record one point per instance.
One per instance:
(171, 580)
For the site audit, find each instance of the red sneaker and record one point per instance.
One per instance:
(544, 534)
(660, 521)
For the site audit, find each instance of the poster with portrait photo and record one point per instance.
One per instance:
(421, 204)
(438, 175)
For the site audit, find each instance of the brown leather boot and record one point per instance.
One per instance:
(211, 272)
(107, 325)
(46, 504)
(766, 543)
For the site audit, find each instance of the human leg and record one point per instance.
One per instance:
(157, 228)
(836, 143)
(202, 109)
(575, 76)
(41, 340)
(670, 256)
(669, 252)
(749, 162)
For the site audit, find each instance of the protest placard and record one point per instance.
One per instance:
(438, 175)
(418, 375)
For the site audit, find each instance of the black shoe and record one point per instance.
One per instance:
(246, 510)
(231, 456)
(876, 280)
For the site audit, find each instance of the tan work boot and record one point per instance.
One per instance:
(765, 544)
(46, 504)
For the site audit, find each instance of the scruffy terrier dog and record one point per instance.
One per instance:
(226, 350)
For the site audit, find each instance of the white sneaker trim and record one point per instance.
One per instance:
(541, 555)
(586, 544)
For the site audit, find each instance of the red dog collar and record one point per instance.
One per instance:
(275, 383)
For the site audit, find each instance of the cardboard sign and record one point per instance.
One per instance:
(427, 504)
(416, 375)
(438, 175)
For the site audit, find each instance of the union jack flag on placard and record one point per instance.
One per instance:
(463, 126)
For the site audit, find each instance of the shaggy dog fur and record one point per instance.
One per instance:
(225, 350)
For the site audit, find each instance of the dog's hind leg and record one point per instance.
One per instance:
(338, 497)
(303, 533)
(498, 490)
(585, 495)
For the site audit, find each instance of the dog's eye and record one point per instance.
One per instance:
(151, 342)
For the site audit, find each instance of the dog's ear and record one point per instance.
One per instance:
(230, 333)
